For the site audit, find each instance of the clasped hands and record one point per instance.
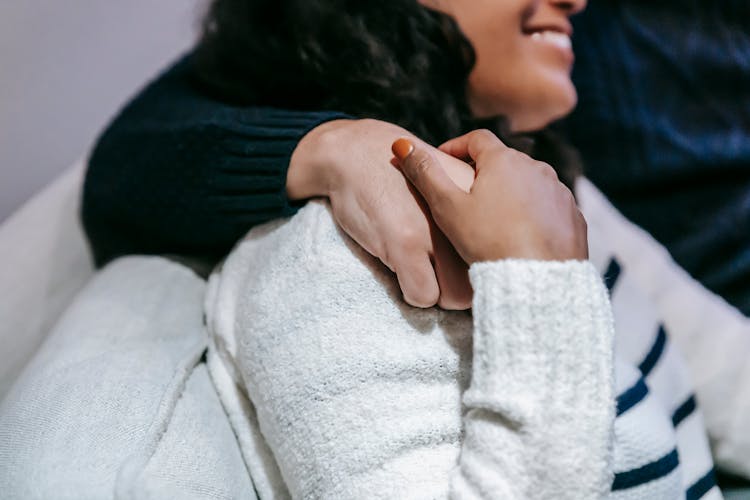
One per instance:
(427, 214)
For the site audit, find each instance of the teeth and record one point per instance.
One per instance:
(554, 37)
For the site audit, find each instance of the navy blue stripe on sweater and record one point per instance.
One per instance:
(701, 486)
(632, 396)
(649, 472)
(649, 362)
(611, 274)
(684, 411)
(638, 392)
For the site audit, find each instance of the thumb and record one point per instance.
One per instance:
(426, 173)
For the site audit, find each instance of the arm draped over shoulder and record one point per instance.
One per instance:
(179, 171)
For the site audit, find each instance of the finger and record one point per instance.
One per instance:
(417, 279)
(426, 173)
(472, 145)
(451, 148)
(452, 274)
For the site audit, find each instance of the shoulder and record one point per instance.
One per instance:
(293, 252)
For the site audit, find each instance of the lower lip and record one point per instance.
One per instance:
(556, 41)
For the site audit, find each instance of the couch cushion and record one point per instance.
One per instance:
(117, 399)
(44, 261)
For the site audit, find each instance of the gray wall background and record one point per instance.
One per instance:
(66, 67)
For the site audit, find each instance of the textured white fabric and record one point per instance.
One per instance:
(197, 457)
(44, 261)
(658, 365)
(360, 396)
(261, 465)
(296, 298)
(712, 335)
(115, 404)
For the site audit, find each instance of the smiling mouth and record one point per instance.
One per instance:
(556, 38)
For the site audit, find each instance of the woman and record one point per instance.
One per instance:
(436, 37)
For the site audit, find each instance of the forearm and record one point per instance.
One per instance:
(540, 404)
(178, 172)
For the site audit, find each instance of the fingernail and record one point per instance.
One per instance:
(402, 148)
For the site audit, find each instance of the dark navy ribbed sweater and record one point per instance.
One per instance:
(180, 172)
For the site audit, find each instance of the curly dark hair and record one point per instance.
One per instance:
(393, 60)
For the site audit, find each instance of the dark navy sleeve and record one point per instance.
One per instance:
(180, 172)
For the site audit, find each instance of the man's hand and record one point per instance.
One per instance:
(349, 162)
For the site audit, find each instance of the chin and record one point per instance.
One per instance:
(552, 107)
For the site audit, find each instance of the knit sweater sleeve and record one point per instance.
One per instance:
(180, 172)
(360, 396)
(540, 406)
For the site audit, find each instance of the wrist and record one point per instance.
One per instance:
(312, 166)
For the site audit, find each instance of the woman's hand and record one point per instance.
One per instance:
(517, 208)
(348, 161)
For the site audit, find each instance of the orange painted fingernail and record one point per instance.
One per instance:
(402, 148)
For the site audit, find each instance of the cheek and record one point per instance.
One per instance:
(493, 82)
(545, 95)
(493, 29)
(530, 92)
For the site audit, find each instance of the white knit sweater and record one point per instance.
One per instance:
(361, 396)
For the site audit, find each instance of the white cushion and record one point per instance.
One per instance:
(117, 401)
(44, 261)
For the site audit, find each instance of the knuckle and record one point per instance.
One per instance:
(421, 163)
(496, 155)
(484, 133)
(510, 155)
(506, 154)
(409, 238)
(562, 192)
(548, 171)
